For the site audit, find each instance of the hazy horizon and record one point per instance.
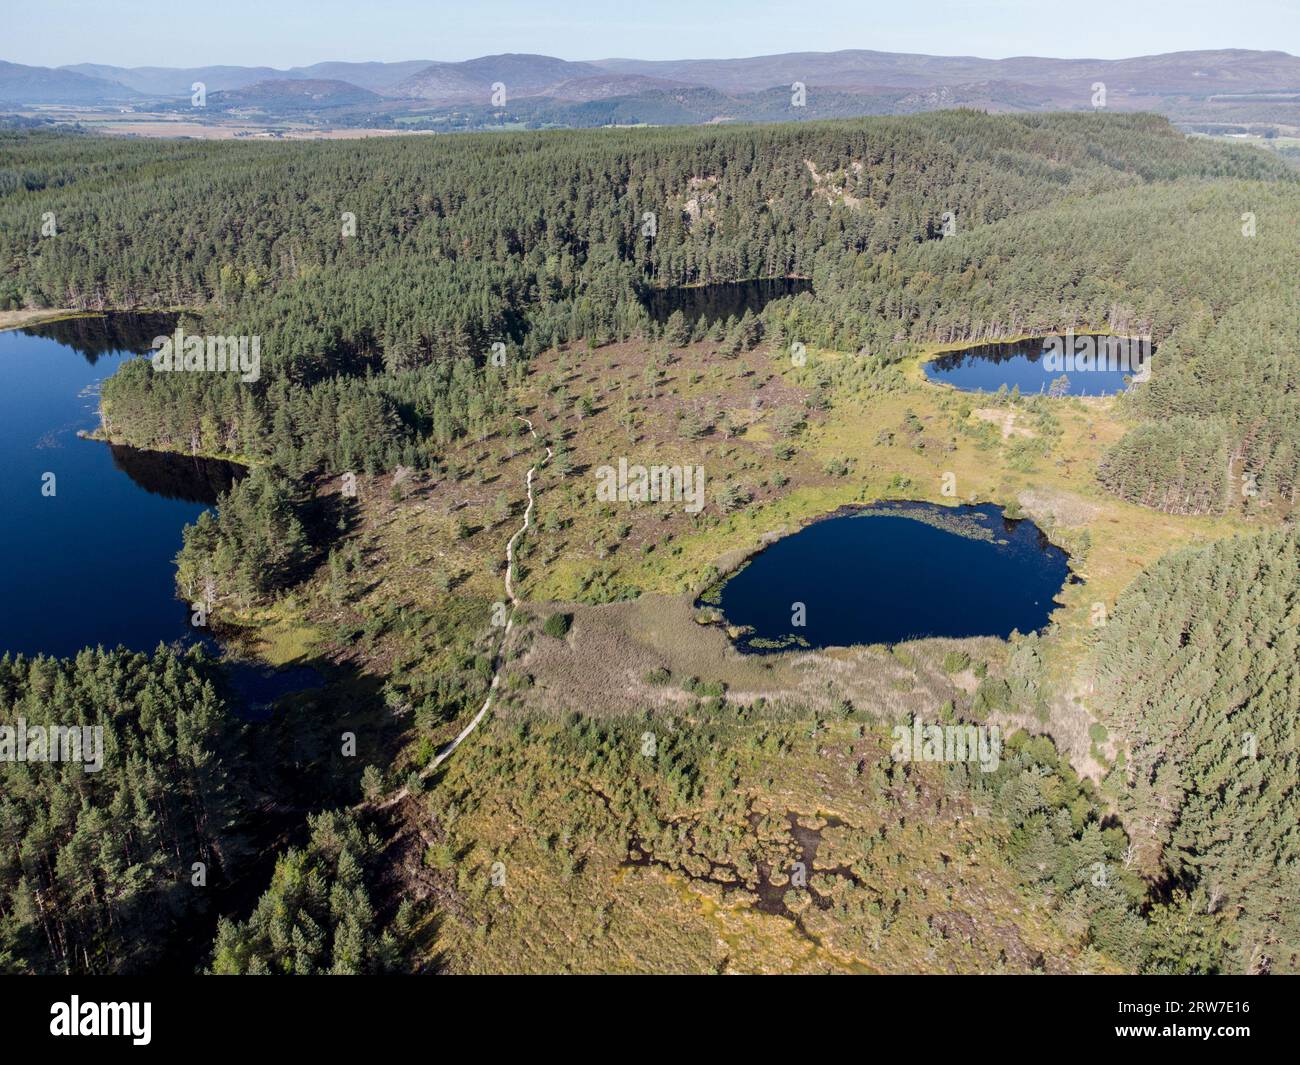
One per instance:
(641, 58)
(149, 33)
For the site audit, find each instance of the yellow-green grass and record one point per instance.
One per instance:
(1125, 538)
(535, 852)
(570, 900)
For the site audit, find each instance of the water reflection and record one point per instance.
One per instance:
(88, 531)
(1027, 365)
(717, 303)
(94, 336)
(189, 478)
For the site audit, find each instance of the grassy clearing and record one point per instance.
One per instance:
(652, 656)
(896, 440)
(614, 865)
(426, 555)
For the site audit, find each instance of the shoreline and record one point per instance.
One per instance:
(23, 319)
(709, 598)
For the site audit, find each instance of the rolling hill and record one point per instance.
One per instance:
(21, 84)
(1225, 89)
(283, 95)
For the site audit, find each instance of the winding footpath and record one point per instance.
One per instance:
(450, 749)
(447, 751)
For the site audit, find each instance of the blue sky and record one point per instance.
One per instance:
(297, 32)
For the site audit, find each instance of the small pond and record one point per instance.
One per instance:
(717, 303)
(896, 571)
(1102, 366)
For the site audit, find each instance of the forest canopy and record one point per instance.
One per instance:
(379, 273)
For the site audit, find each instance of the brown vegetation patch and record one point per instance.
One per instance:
(1004, 419)
(1057, 506)
(613, 660)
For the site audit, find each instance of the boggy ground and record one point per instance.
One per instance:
(867, 433)
(636, 658)
(759, 845)
(610, 862)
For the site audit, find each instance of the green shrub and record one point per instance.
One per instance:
(705, 690)
(955, 661)
(557, 625)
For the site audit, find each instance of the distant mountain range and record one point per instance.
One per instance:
(176, 81)
(285, 95)
(39, 85)
(1228, 85)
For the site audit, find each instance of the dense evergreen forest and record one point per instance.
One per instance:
(127, 868)
(1201, 665)
(97, 867)
(317, 916)
(376, 344)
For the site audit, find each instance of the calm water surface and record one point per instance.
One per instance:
(898, 571)
(717, 303)
(988, 367)
(92, 563)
